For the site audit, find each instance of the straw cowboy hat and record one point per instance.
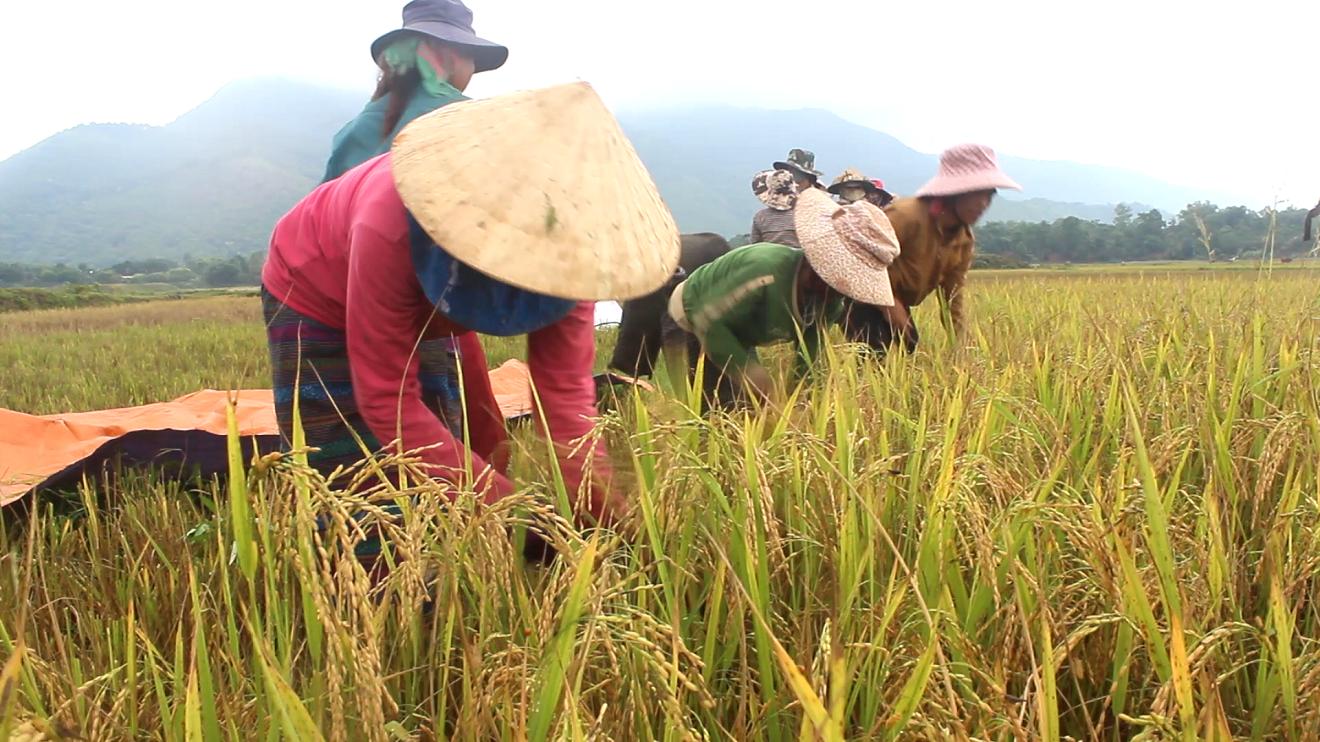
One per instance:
(775, 189)
(802, 162)
(850, 247)
(967, 168)
(581, 220)
(449, 21)
(851, 178)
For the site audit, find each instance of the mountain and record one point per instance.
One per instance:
(213, 181)
(703, 159)
(210, 183)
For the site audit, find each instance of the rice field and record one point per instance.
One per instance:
(1093, 517)
(103, 357)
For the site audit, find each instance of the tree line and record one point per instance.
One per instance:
(1201, 231)
(236, 270)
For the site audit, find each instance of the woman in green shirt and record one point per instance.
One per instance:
(766, 293)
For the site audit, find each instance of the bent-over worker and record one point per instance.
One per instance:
(642, 333)
(935, 230)
(767, 293)
(356, 277)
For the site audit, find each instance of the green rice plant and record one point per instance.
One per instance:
(1092, 516)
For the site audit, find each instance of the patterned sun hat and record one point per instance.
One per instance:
(850, 247)
(776, 189)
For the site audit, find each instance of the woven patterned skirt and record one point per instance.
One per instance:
(311, 360)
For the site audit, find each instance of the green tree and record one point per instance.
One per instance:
(1122, 216)
(223, 273)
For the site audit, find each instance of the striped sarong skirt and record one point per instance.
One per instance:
(310, 359)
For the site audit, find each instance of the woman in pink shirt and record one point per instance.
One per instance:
(344, 294)
(353, 282)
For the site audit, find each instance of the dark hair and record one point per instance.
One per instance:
(399, 86)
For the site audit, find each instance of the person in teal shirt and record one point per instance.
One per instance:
(424, 65)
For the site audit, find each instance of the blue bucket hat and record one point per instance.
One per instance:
(449, 21)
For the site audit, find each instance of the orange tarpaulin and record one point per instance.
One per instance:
(34, 448)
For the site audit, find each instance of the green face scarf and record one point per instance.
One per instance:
(403, 56)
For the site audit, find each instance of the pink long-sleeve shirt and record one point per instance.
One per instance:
(341, 256)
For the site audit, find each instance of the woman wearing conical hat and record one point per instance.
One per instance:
(935, 231)
(769, 293)
(415, 244)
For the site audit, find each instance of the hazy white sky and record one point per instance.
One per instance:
(1218, 94)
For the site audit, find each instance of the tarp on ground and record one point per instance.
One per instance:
(39, 451)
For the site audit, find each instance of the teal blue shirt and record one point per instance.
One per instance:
(361, 139)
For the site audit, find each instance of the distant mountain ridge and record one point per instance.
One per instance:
(215, 180)
(703, 159)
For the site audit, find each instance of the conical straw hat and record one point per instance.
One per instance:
(540, 190)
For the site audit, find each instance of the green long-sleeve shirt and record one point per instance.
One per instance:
(748, 298)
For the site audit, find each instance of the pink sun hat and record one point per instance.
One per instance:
(967, 168)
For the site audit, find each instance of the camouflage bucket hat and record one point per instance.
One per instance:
(776, 189)
(802, 162)
(851, 178)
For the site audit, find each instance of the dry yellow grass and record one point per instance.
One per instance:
(65, 360)
(77, 359)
